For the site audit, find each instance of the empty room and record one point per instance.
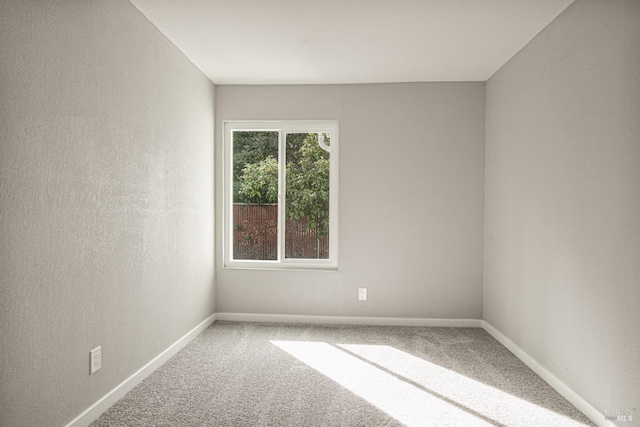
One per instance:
(319, 213)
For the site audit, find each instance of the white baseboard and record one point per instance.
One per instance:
(348, 320)
(95, 410)
(592, 413)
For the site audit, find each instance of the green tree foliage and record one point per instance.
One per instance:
(259, 182)
(307, 172)
(294, 143)
(252, 147)
(308, 186)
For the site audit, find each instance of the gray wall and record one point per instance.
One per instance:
(106, 202)
(411, 201)
(562, 248)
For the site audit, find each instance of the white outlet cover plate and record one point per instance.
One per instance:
(362, 294)
(96, 359)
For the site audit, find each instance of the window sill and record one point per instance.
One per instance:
(266, 266)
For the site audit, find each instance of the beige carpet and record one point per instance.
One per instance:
(249, 374)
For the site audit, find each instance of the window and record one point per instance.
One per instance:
(281, 194)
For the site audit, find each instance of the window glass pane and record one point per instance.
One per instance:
(255, 195)
(307, 195)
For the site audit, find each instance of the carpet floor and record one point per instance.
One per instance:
(251, 374)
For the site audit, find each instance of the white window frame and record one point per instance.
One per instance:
(283, 127)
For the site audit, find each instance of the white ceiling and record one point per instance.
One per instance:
(349, 41)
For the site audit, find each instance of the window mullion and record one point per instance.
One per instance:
(282, 158)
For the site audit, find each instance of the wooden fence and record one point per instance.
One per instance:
(255, 235)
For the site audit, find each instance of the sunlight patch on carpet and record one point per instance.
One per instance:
(403, 401)
(478, 397)
(416, 392)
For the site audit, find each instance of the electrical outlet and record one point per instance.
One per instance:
(362, 294)
(96, 359)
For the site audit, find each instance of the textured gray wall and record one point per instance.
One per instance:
(106, 202)
(411, 201)
(562, 251)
